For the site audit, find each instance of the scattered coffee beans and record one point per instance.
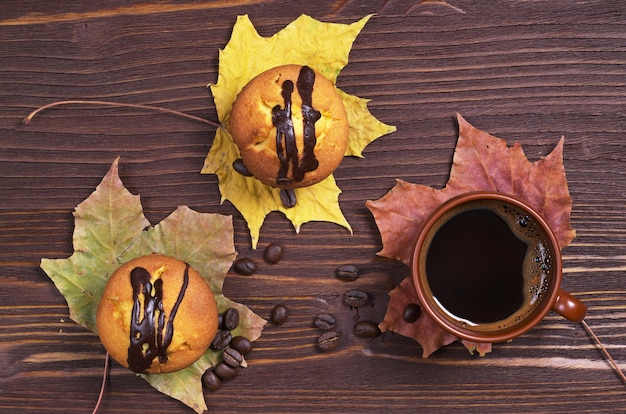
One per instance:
(273, 253)
(240, 168)
(355, 298)
(324, 321)
(210, 381)
(287, 197)
(232, 357)
(244, 266)
(347, 273)
(225, 371)
(366, 329)
(230, 319)
(411, 312)
(279, 315)
(328, 341)
(221, 340)
(241, 344)
(232, 354)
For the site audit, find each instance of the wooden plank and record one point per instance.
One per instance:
(524, 71)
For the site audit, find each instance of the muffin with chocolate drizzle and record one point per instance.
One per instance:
(156, 315)
(290, 126)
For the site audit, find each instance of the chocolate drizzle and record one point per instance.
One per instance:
(150, 334)
(310, 116)
(285, 134)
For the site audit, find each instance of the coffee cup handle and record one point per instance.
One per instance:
(569, 307)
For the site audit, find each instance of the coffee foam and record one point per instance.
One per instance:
(537, 265)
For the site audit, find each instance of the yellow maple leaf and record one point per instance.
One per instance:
(306, 41)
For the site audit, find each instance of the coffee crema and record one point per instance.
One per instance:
(487, 264)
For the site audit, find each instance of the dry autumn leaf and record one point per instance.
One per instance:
(306, 41)
(110, 229)
(481, 162)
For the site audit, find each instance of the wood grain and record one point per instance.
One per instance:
(529, 71)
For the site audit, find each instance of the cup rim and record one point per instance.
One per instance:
(486, 336)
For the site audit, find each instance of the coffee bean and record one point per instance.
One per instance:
(241, 344)
(244, 266)
(225, 371)
(279, 314)
(230, 319)
(324, 321)
(366, 329)
(348, 273)
(221, 340)
(210, 381)
(411, 312)
(355, 298)
(232, 357)
(240, 168)
(273, 253)
(288, 197)
(328, 341)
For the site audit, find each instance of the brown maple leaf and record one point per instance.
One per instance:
(481, 162)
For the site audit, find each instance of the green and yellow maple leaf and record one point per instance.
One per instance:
(111, 229)
(306, 41)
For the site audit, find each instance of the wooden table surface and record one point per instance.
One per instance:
(526, 71)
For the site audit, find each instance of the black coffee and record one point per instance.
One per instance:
(487, 263)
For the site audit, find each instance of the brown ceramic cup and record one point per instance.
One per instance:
(487, 268)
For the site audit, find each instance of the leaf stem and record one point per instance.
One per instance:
(119, 104)
(614, 365)
(104, 379)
